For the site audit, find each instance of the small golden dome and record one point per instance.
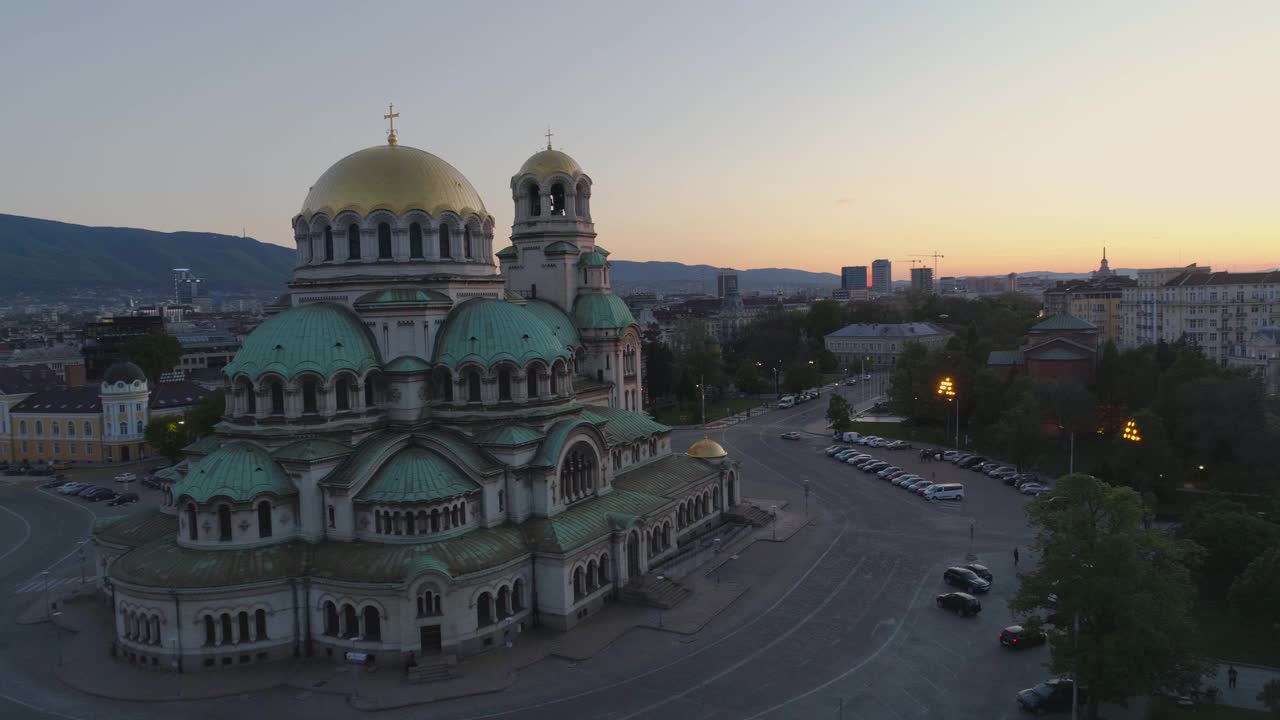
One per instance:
(707, 449)
(396, 178)
(549, 162)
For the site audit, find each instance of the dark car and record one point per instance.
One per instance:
(42, 471)
(974, 463)
(962, 604)
(981, 571)
(1049, 696)
(875, 466)
(55, 481)
(103, 494)
(965, 578)
(124, 499)
(1017, 636)
(84, 491)
(970, 461)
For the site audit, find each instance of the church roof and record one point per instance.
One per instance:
(396, 178)
(402, 298)
(560, 324)
(318, 337)
(486, 331)
(510, 436)
(1059, 353)
(561, 247)
(1063, 321)
(549, 162)
(407, 364)
(624, 426)
(593, 311)
(1005, 357)
(310, 450)
(508, 252)
(238, 471)
(416, 475)
(135, 529)
(596, 258)
(557, 434)
(586, 521)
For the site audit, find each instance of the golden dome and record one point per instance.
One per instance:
(707, 449)
(547, 162)
(394, 178)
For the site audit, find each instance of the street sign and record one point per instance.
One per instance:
(357, 658)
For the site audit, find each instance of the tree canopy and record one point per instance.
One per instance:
(155, 353)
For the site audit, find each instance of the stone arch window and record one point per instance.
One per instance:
(55, 429)
(415, 240)
(353, 242)
(666, 535)
(191, 522)
(504, 384)
(473, 386)
(39, 428)
(435, 520)
(372, 623)
(552, 380)
(210, 631)
(310, 393)
(591, 575)
(466, 242)
(557, 199)
(277, 396)
(535, 200)
(504, 603)
(578, 473)
(602, 571)
(242, 620)
(330, 619)
(579, 584)
(580, 199)
(138, 426)
(342, 394)
(428, 603)
(517, 595)
(384, 241)
(531, 381)
(680, 518)
(501, 501)
(224, 523)
(225, 619)
(443, 382)
(328, 243)
(409, 524)
(484, 609)
(88, 429)
(71, 429)
(264, 519)
(446, 242)
(259, 624)
(370, 394)
(351, 621)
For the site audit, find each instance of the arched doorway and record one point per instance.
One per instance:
(733, 489)
(633, 555)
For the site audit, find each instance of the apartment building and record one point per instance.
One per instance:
(1095, 301)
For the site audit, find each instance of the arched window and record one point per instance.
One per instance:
(602, 572)
(124, 428)
(551, 381)
(88, 429)
(504, 384)
(372, 624)
(191, 521)
(578, 473)
(250, 396)
(260, 624)
(138, 427)
(226, 629)
(531, 381)
(71, 429)
(384, 241)
(473, 386)
(352, 621)
(435, 520)
(277, 397)
(210, 631)
(243, 621)
(369, 396)
(39, 428)
(446, 249)
(309, 394)
(504, 602)
(328, 243)
(342, 395)
(466, 242)
(579, 584)
(415, 240)
(55, 429)
(535, 201)
(330, 619)
(353, 242)
(264, 519)
(557, 199)
(224, 523)
(591, 575)
(484, 609)
(517, 595)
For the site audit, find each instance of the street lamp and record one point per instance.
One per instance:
(1131, 432)
(947, 389)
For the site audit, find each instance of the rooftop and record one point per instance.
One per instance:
(894, 330)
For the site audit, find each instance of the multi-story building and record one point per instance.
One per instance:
(1094, 301)
(105, 340)
(882, 277)
(853, 277)
(1217, 311)
(922, 279)
(726, 282)
(879, 345)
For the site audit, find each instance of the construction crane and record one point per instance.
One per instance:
(935, 255)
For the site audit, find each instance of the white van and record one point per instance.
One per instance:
(851, 437)
(787, 401)
(945, 491)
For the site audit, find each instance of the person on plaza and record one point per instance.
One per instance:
(506, 637)
(1015, 557)
(1231, 676)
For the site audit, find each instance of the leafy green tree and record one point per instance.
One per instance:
(1127, 588)
(747, 377)
(1256, 592)
(1232, 535)
(1020, 431)
(1270, 697)
(913, 385)
(838, 413)
(659, 365)
(824, 317)
(155, 354)
(801, 376)
(205, 415)
(167, 435)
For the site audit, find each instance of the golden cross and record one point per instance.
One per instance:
(549, 134)
(391, 117)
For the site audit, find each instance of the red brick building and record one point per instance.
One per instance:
(1060, 346)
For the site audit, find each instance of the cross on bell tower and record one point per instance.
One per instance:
(391, 118)
(549, 134)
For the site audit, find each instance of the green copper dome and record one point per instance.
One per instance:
(560, 247)
(416, 475)
(554, 317)
(508, 252)
(601, 311)
(320, 337)
(595, 258)
(239, 472)
(486, 331)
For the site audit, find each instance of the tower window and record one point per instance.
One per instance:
(446, 251)
(466, 243)
(384, 241)
(557, 199)
(535, 201)
(415, 240)
(353, 242)
(328, 243)
(504, 384)
(473, 387)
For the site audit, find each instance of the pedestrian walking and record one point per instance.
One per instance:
(1231, 676)
(506, 638)
(1015, 557)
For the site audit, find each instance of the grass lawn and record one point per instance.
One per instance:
(1163, 708)
(1225, 637)
(690, 413)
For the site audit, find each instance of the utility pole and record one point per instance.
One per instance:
(703, 387)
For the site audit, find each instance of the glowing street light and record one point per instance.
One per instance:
(1131, 432)
(947, 389)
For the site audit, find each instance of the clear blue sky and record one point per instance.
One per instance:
(1009, 136)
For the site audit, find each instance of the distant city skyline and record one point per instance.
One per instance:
(1006, 137)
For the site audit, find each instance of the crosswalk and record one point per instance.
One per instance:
(37, 584)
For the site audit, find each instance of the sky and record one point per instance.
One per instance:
(1006, 136)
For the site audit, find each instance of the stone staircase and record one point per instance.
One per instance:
(651, 591)
(748, 515)
(433, 668)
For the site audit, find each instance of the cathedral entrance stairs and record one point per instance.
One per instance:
(433, 668)
(748, 514)
(649, 590)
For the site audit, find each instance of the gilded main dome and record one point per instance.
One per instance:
(394, 178)
(548, 162)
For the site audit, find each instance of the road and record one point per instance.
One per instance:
(843, 621)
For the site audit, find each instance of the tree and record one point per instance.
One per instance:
(838, 412)
(205, 415)
(167, 435)
(659, 365)
(747, 377)
(1254, 594)
(800, 376)
(1127, 588)
(1232, 537)
(913, 385)
(1019, 430)
(155, 353)
(1270, 697)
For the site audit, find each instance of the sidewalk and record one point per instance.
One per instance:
(1249, 683)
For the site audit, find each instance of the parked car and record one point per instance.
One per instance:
(974, 463)
(981, 571)
(861, 464)
(793, 435)
(855, 459)
(1005, 473)
(945, 491)
(60, 466)
(911, 486)
(124, 499)
(844, 455)
(41, 471)
(1049, 696)
(962, 604)
(965, 578)
(127, 477)
(1033, 488)
(72, 487)
(922, 489)
(884, 472)
(55, 481)
(950, 455)
(894, 474)
(1017, 636)
(897, 445)
(84, 491)
(100, 494)
(875, 466)
(904, 479)
(851, 436)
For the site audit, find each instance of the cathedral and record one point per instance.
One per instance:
(421, 453)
